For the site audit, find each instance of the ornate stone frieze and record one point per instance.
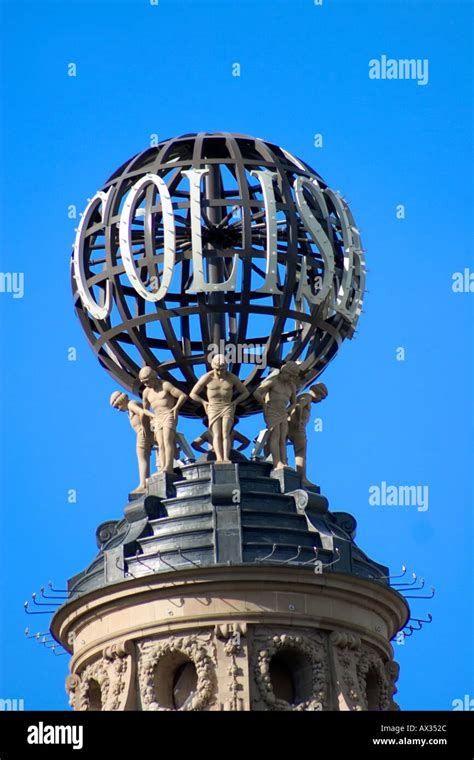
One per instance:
(111, 676)
(157, 661)
(308, 645)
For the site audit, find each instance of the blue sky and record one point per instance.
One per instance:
(167, 69)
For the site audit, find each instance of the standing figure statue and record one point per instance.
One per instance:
(219, 385)
(277, 395)
(235, 438)
(141, 425)
(165, 401)
(297, 422)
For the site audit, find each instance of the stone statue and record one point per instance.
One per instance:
(219, 385)
(141, 425)
(235, 437)
(297, 422)
(165, 401)
(277, 395)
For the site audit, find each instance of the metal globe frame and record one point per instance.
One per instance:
(316, 247)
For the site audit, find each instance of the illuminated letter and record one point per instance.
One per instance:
(169, 248)
(98, 312)
(266, 180)
(318, 235)
(199, 284)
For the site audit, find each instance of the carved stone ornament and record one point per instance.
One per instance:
(232, 635)
(113, 673)
(153, 653)
(345, 651)
(392, 670)
(72, 688)
(94, 672)
(312, 647)
(370, 661)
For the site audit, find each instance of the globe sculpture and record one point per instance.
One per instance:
(216, 275)
(216, 243)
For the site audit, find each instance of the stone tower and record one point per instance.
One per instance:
(230, 587)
